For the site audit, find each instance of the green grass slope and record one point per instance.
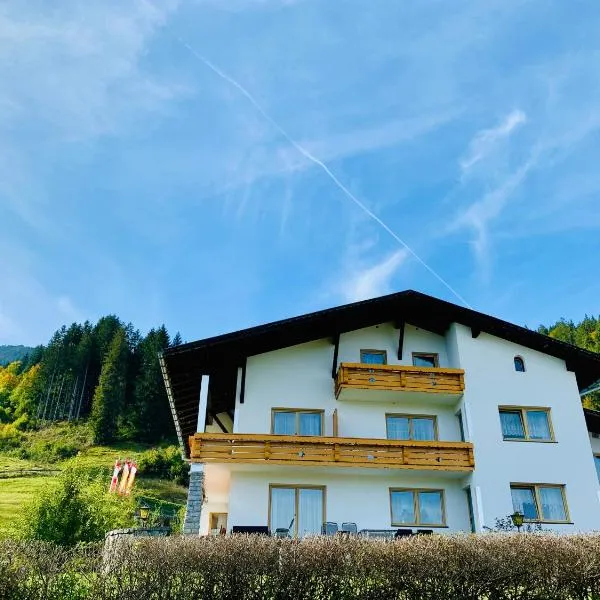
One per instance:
(14, 493)
(41, 455)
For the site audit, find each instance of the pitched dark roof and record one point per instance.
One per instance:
(183, 365)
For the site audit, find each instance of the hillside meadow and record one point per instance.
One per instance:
(34, 463)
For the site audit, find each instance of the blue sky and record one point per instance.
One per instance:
(135, 180)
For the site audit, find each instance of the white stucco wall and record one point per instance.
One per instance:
(300, 377)
(360, 496)
(296, 377)
(491, 381)
(385, 337)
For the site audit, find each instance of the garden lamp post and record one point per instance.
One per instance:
(517, 519)
(144, 513)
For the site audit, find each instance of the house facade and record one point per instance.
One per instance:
(400, 412)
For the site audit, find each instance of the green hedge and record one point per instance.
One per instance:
(490, 567)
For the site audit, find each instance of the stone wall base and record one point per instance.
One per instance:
(191, 523)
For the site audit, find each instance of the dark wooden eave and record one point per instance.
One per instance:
(592, 420)
(185, 364)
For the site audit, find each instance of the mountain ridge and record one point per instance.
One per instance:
(9, 353)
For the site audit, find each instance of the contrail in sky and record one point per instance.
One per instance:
(319, 163)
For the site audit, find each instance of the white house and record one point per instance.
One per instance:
(402, 412)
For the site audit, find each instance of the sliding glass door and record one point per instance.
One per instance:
(299, 508)
(283, 509)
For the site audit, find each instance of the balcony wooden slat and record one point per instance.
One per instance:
(360, 376)
(331, 451)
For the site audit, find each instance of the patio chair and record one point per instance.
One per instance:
(403, 533)
(284, 532)
(329, 528)
(349, 528)
(424, 531)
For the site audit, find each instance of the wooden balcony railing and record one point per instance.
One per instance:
(399, 378)
(330, 451)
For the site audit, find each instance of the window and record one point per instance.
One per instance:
(373, 357)
(597, 463)
(461, 426)
(519, 364)
(301, 509)
(297, 422)
(411, 427)
(417, 507)
(424, 359)
(540, 502)
(526, 424)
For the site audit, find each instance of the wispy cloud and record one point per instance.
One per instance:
(71, 74)
(77, 70)
(480, 214)
(377, 137)
(30, 312)
(282, 160)
(550, 148)
(373, 280)
(485, 140)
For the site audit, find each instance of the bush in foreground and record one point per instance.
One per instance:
(490, 567)
(75, 508)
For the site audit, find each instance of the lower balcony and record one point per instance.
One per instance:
(268, 449)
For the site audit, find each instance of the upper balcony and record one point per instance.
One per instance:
(269, 449)
(359, 381)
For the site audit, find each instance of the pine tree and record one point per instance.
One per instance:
(104, 332)
(150, 418)
(109, 396)
(50, 374)
(586, 335)
(84, 366)
(32, 358)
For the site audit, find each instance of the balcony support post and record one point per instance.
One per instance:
(203, 403)
(400, 340)
(336, 348)
(243, 383)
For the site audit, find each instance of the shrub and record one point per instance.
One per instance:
(10, 437)
(48, 445)
(49, 451)
(164, 463)
(461, 567)
(76, 509)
